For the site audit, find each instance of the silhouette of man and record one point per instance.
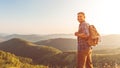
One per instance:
(84, 59)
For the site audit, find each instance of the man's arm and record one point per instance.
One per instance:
(81, 35)
(84, 33)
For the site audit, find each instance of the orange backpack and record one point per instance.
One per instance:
(94, 36)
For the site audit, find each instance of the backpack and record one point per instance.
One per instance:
(94, 36)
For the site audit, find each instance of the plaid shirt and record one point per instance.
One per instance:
(82, 43)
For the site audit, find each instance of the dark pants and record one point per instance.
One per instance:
(84, 59)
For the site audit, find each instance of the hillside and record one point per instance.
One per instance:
(24, 48)
(8, 60)
(101, 59)
(64, 44)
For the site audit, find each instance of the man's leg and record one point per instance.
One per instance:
(81, 60)
(89, 60)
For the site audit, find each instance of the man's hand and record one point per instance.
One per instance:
(76, 33)
(82, 35)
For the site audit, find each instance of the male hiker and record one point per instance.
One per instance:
(84, 59)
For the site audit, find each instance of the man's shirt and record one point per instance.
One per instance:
(82, 43)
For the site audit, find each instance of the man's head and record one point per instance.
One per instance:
(81, 17)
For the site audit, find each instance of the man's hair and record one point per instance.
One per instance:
(81, 13)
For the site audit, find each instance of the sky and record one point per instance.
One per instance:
(57, 16)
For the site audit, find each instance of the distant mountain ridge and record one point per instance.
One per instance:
(65, 44)
(34, 37)
(107, 41)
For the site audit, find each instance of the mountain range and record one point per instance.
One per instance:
(64, 41)
(34, 37)
(66, 44)
(40, 54)
(58, 51)
(25, 48)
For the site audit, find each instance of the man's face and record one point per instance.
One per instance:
(81, 17)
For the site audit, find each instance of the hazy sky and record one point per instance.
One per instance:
(57, 16)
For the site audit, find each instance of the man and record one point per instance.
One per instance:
(84, 59)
